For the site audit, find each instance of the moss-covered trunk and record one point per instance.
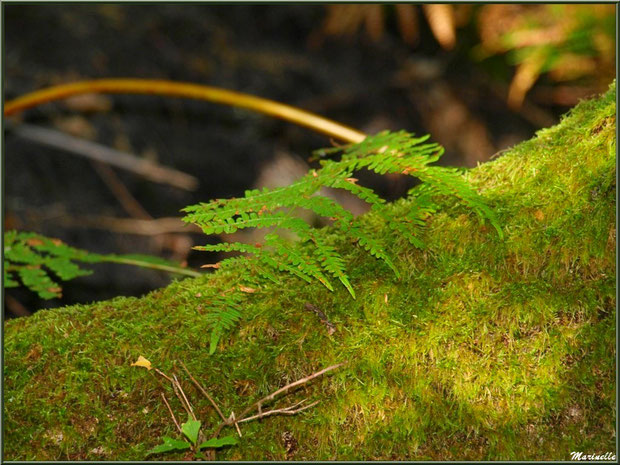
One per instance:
(486, 348)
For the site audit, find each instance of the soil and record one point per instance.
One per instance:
(273, 51)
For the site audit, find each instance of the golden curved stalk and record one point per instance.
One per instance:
(186, 90)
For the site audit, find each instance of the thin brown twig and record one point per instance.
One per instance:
(129, 203)
(176, 391)
(94, 151)
(186, 407)
(288, 387)
(235, 422)
(257, 405)
(203, 391)
(131, 225)
(184, 396)
(171, 414)
(61, 217)
(282, 411)
(159, 372)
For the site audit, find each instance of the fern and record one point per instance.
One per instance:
(222, 313)
(31, 256)
(276, 209)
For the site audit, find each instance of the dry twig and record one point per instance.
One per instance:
(171, 414)
(282, 411)
(129, 203)
(203, 391)
(186, 405)
(159, 372)
(176, 387)
(145, 168)
(288, 387)
(141, 227)
(285, 411)
(235, 422)
(331, 328)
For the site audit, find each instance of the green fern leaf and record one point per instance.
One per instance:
(28, 255)
(373, 247)
(64, 268)
(298, 263)
(38, 281)
(332, 262)
(311, 258)
(222, 313)
(8, 279)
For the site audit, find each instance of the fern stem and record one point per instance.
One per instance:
(186, 90)
(154, 266)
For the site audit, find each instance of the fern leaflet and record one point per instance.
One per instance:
(29, 256)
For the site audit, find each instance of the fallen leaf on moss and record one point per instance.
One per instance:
(142, 362)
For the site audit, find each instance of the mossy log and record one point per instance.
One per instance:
(486, 348)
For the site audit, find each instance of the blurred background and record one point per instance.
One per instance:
(478, 78)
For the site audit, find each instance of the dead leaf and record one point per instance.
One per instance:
(249, 290)
(539, 215)
(211, 265)
(34, 242)
(142, 362)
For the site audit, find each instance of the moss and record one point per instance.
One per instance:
(487, 348)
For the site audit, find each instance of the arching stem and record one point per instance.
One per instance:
(186, 90)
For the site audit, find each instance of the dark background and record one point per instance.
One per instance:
(280, 52)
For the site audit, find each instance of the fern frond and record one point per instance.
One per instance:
(325, 207)
(295, 260)
(333, 263)
(411, 223)
(386, 152)
(361, 192)
(221, 314)
(29, 256)
(450, 182)
(374, 247)
(37, 280)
